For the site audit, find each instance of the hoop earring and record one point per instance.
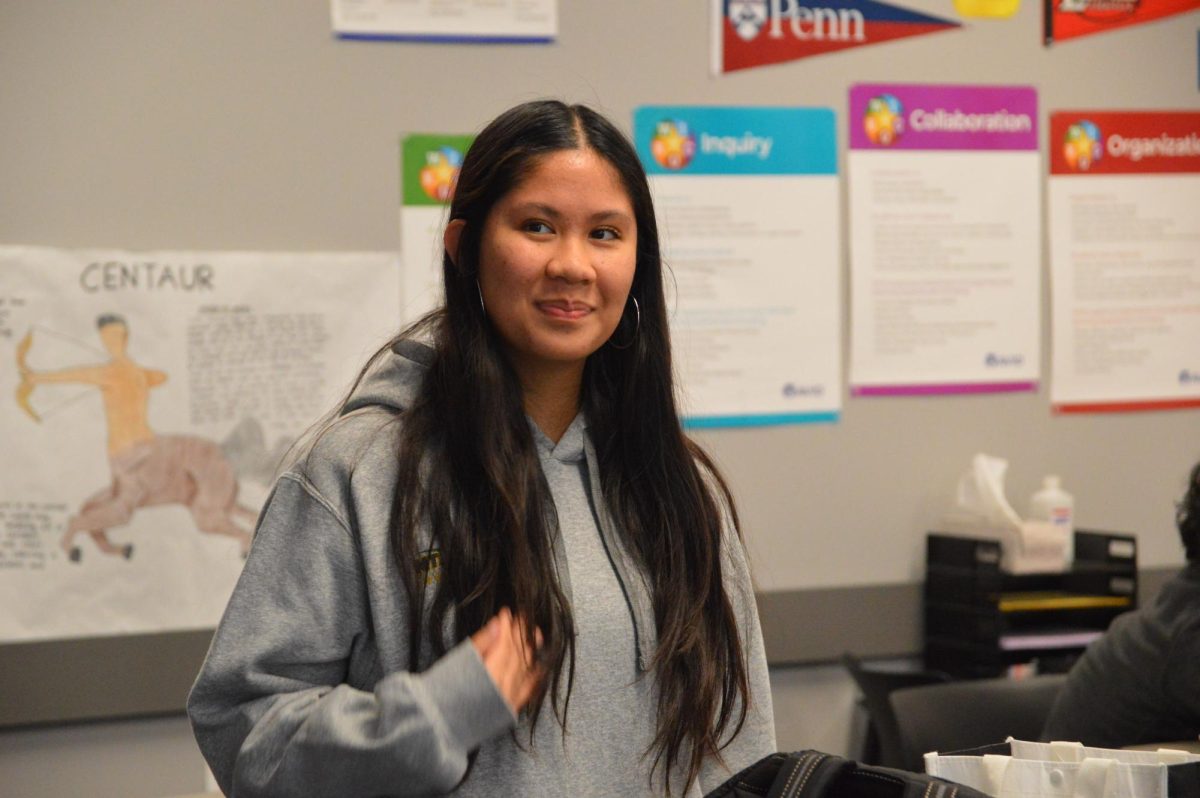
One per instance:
(479, 290)
(637, 326)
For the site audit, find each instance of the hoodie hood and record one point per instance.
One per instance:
(394, 380)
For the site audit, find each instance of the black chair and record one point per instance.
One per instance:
(971, 713)
(882, 745)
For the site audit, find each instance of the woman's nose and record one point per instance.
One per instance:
(571, 260)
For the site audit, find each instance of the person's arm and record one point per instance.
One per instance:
(1181, 676)
(89, 375)
(757, 736)
(272, 708)
(154, 377)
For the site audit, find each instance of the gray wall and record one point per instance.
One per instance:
(179, 124)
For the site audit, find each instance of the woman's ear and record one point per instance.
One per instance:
(452, 236)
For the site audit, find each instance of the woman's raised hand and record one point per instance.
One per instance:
(509, 661)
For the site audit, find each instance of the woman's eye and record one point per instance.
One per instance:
(606, 234)
(537, 227)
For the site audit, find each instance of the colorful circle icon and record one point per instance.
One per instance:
(439, 172)
(673, 144)
(1081, 145)
(883, 119)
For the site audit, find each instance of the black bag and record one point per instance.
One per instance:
(812, 774)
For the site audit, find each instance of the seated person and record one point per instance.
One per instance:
(1140, 682)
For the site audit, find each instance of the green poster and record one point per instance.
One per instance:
(428, 166)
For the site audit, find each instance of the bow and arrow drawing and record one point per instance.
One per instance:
(27, 385)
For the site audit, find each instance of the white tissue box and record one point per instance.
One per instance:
(1037, 547)
(1034, 547)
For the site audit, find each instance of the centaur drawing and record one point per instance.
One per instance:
(147, 469)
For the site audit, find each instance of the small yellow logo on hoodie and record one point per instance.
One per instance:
(429, 567)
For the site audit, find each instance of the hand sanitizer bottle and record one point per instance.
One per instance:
(1055, 505)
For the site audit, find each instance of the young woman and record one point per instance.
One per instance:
(503, 569)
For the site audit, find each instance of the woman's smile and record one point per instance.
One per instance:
(563, 309)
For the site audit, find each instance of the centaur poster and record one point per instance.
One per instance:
(150, 399)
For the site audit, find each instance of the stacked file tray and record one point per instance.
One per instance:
(981, 621)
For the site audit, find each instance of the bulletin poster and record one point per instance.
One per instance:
(1124, 190)
(151, 398)
(945, 252)
(748, 208)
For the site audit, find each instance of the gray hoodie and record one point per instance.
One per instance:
(304, 691)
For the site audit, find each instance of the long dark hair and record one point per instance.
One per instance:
(469, 469)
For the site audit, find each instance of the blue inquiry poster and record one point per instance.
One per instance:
(748, 206)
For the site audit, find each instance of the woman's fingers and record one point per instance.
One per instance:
(509, 661)
(529, 686)
(486, 638)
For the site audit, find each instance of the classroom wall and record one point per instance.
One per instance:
(220, 124)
